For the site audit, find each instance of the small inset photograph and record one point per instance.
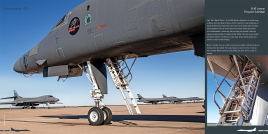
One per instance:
(237, 90)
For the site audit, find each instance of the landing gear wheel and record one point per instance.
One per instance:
(95, 116)
(107, 115)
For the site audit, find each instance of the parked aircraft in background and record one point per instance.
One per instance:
(151, 100)
(165, 98)
(100, 33)
(179, 100)
(31, 102)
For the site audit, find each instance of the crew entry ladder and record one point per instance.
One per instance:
(121, 82)
(238, 105)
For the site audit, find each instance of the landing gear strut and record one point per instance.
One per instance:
(100, 114)
(26, 105)
(97, 115)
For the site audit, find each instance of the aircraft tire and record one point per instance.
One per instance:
(95, 116)
(107, 115)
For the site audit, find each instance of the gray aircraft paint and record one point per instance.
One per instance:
(20, 101)
(142, 27)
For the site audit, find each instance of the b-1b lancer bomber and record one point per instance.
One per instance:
(151, 100)
(165, 98)
(99, 33)
(179, 100)
(31, 102)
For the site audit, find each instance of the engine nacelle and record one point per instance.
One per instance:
(18, 104)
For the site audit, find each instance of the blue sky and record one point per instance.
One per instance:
(179, 74)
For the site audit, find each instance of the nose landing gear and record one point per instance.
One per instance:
(98, 115)
(101, 115)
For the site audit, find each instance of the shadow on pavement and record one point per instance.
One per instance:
(173, 118)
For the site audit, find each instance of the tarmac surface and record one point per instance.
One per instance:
(187, 118)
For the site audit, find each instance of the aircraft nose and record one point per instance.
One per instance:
(57, 99)
(17, 66)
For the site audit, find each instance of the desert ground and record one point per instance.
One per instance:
(188, 118)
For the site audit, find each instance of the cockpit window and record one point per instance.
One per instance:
(61, 21)
(50, 96)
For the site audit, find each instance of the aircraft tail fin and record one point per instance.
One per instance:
(15, 94)
(164, 96)
(139, 96)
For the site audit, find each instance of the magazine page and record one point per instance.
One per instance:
(143, 66)
(236, 66)
(102, 66)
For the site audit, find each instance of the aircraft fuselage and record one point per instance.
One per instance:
(99, 29)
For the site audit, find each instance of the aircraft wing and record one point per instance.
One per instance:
(11, 102)
(8, 97)
(190, 99)
(38, 101)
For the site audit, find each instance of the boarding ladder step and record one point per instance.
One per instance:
(231, 121)
(227, 112)
(121, 83)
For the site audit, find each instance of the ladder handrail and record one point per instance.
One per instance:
(126, 66)
(236, 83)
(220, 86)
(250, 112)
(212, 69)
(237, 66)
